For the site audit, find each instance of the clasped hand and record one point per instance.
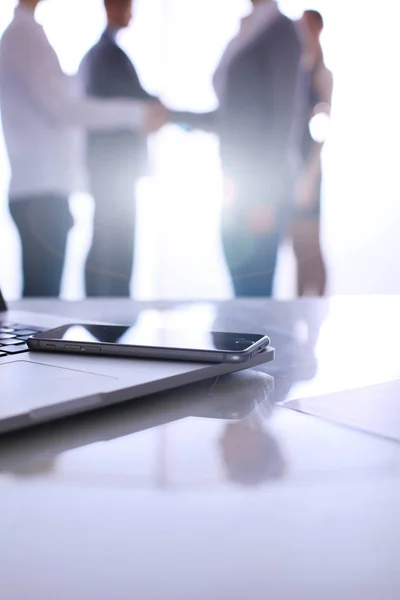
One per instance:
(157, 115)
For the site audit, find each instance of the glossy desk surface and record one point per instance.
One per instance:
(216, 490)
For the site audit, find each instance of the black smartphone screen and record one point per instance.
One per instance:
(182, 339)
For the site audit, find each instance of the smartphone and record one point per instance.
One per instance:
(144, 342)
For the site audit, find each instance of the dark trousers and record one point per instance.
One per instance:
(109, 265)
(250, 249)
(251, 260)
(43, 223)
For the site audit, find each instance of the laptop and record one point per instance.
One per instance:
(38, 387)
(231, 399)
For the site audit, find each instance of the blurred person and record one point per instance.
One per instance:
(311, 270)
(116, 160)
(39, 110)
(257, 87)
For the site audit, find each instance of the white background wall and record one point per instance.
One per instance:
(176, 45)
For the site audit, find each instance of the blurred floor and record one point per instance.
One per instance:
(178, 243)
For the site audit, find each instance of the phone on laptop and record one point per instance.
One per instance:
(145, 342)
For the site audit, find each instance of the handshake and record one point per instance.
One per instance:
(155, 117)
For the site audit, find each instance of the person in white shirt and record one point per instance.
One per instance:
(40, 111)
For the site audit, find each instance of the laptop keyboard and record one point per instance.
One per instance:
(13, 338)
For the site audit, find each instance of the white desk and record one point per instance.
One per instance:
(209, 492)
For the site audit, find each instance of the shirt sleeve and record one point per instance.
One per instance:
(38, 66)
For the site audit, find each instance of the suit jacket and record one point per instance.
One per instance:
(258, 119)
(261, 115)
(107, 72)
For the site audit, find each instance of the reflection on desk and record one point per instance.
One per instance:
(213, 491)
(228, 410)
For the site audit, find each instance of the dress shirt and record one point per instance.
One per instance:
(42, 111)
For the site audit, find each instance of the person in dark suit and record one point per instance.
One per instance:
(115, 161)
(260, 87)
(257, 84)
